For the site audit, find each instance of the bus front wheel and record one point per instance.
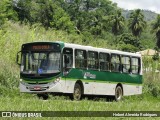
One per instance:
(77, 92)
(43, 96)
(118, 93)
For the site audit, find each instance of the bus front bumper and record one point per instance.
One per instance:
(41, 88)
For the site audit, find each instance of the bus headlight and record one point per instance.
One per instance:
(23, 83)
(58, 79)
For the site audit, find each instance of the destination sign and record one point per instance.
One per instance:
(41, 47)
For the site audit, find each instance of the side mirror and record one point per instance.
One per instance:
(18, 60)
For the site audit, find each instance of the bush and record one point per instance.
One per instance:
(151, 84)
(9, 75)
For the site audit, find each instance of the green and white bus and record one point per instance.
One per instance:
(58, 67)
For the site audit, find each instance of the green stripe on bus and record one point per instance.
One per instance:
(51, 79)
(100, 76)
(100, 81)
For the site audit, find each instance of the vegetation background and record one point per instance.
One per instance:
(98, 23)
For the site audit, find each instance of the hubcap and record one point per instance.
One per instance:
(118, 93)
(77, 94)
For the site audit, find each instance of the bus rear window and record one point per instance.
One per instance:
(135, 65)
(126, 64)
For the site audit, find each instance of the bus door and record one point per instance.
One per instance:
(67, 62)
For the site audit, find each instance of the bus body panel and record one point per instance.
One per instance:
(132, 89)
(90, 88)
(69, 87)
(103, 88)
(103, 76)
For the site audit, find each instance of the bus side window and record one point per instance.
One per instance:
(92, 60)
(104, 61)
(115, 62)
(135, 63)
(68, 57)
(126, 64)
(80, 59)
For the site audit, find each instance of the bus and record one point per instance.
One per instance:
(77, 70)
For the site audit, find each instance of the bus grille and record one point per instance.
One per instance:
(37, 83)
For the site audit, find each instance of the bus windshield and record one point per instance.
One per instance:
(40, 62)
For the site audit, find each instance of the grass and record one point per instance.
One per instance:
(16, 101)
(30, 102)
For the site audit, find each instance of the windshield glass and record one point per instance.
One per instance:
(40, 62)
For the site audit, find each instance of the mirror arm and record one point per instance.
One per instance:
(18, 58)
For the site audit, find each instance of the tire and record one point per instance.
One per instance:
(118, 93)
(43, 96)
(77, 94)
(110, 98)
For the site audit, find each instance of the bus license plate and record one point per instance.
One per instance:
(37, 87)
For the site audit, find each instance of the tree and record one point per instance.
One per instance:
(61, 20)
(136, 22)
(128, 42)
(117, 23)
(6, 11)
(87, 14)
(47, 12)
(23, 9)
(156, 30)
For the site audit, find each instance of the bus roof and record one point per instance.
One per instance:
(89, 48)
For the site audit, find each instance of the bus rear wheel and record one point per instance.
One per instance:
(77, 94)
(118, 93)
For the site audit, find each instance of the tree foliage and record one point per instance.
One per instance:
(46, 12)
(117, 23)
(6, 11)
(92, 20)
(136, 22)
(128, 42)
(156, 30)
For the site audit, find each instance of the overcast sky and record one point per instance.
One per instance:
(153, 5)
